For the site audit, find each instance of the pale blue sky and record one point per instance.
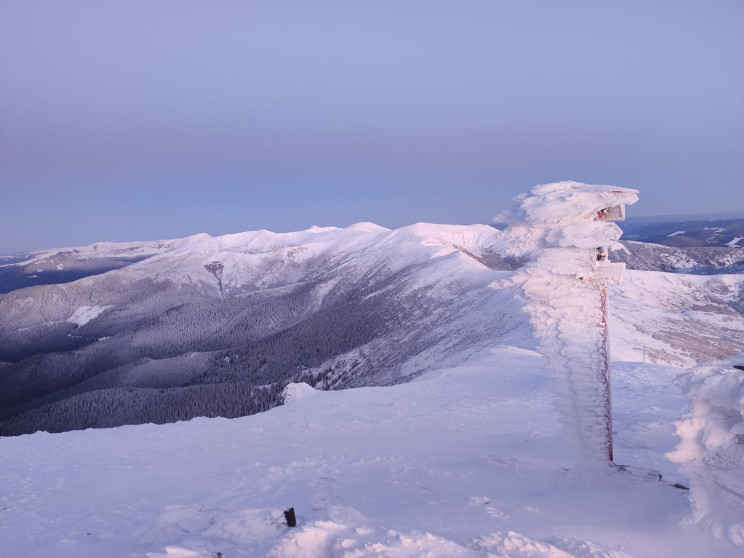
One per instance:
(146, 120)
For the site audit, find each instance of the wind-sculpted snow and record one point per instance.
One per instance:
(560, 204)
(556, 227)
(712, 447)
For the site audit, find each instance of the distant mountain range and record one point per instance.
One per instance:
(50, 267)
(218, 326)
(692, 233)
(695, 246)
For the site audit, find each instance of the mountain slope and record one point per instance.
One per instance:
(699, 261)
(172, 333)
(687, 232)
(207, 326)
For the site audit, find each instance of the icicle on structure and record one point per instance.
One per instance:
(565, 230)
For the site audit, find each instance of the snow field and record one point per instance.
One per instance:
(463, 461)
(84, 314)
(678, 319)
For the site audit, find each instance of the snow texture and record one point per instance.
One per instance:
(712, 447)
(297, 392)
(83, 314)
(463, 461)
(558, 228)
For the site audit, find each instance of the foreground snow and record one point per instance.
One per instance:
(466, 461)
(712, 449)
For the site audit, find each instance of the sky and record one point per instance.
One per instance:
(146, 120)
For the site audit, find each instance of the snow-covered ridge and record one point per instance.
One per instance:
(251, 242)
(263, 259)
(331, 307)
(247, 246)
(264, 241)
(426, 291)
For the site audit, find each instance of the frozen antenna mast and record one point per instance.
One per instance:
(566, 230)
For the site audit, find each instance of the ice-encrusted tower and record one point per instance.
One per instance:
(565, 229)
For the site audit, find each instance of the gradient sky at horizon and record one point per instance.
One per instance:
(145, 120)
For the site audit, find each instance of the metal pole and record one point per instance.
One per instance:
(606, 378)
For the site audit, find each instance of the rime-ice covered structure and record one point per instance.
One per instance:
(711, 453)
(565, 230)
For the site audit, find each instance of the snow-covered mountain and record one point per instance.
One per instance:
(208, 326)
(687, 232)
(458, 451)
(217, 326)
(696, 261)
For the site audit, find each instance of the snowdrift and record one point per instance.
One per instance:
(712, 447)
